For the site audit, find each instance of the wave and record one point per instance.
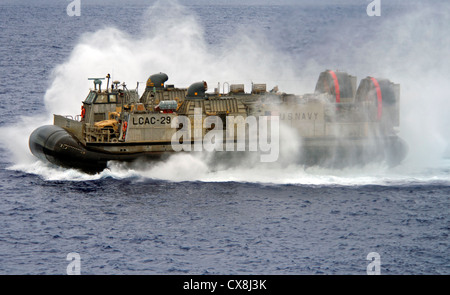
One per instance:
(189, 168)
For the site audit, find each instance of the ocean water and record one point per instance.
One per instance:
(182, 216)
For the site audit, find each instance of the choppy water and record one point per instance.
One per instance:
(182, 217)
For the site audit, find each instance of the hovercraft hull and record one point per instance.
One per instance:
(54, 144)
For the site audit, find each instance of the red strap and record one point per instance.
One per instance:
(379, 97)
(336, 86)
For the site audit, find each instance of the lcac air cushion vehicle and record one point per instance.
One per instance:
(336, 125)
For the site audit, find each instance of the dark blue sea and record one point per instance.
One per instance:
(182, 216)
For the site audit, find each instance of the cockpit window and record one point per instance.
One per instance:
(102, 98)
(95, 97)
(90, 97)
(113, 98)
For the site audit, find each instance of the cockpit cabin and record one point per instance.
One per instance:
(99, 104)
